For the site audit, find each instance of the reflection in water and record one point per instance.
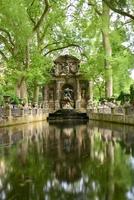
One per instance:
(63, 161)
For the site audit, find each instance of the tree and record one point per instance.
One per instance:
(120, 6)
(108, 49)
(118, 58)
(31, 36)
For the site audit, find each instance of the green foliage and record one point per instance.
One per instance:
(38, 68)
(64, 24)
(132, 93)
(123, 97)
(15, 100)
(122, 62)
(14, 19)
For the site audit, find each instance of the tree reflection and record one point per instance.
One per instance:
(65, 162)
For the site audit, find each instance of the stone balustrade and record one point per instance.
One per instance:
(117, 114)
(113, 110)
(12, 116)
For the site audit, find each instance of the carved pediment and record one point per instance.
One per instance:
(66, 65)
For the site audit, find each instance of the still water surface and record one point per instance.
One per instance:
(90, 161)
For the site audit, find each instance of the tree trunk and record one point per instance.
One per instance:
(17, 91)
(107, 50)
(21, 89)
(36, 94)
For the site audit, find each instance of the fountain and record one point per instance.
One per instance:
(66, 95)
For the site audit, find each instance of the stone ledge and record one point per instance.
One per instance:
(23, 120)
(115, 118)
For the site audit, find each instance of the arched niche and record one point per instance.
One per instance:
(67, 97)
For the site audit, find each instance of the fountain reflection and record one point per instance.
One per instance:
(61, 161)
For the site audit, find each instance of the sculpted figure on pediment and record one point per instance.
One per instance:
(65, 69)
(65, 65)
(55, 70)
(73, 67)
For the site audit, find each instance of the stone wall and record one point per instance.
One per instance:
(112, 115)
(16, 116)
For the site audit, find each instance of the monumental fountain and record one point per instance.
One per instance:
(66, 95)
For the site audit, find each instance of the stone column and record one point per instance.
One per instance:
(57, 95)
(90, 94)
(46, 106)
(78, 94)
(90, 90)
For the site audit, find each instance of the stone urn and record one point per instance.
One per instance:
(6, 98)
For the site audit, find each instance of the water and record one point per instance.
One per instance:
(93, 161)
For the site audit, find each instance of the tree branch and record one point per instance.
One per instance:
(22, 79)
(30, 17)
(5, 41)
(95, 8)
(46, 46)
(8, 34)
(32, 3)
(47, 6)
(64, 47)
(44, 32)
(3, 55)
(121, 12)
(28, 11)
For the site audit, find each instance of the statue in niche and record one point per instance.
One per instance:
(51, 95)
(68, 98)
(68, 94)
(83, 93)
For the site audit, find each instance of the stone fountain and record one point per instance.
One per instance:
(66, 95)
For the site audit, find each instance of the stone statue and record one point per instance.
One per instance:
(68, 97)
(73, 67)
(68, 94)
(55, 70)
(65, 69)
